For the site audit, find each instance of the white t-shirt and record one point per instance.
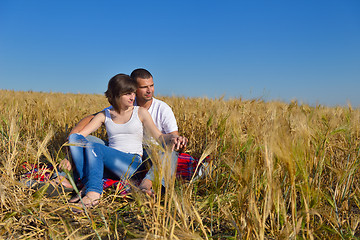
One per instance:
(162, 116)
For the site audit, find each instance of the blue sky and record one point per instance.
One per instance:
(306, 50)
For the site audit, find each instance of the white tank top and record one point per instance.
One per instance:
(125, 137)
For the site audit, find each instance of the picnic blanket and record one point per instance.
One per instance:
(43, 172)
(186, 166)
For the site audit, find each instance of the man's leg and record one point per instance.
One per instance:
(146, 184)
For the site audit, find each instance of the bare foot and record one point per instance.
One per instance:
(76, 198)
(90, 200)
(146, 186)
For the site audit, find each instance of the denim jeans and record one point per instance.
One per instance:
(90, 158)
(150, 174)
(173, 165)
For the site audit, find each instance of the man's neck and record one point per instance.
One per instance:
(145, 104)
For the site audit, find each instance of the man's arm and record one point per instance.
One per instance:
(82, 123)
(93, 125)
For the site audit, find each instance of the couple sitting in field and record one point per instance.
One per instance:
(125, 120)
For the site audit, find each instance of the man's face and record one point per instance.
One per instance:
(145, 89)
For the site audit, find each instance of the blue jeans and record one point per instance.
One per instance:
(90, 158)
(173, 165)
(151, 173)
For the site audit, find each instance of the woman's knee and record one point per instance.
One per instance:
(93, 150)
(75, 137)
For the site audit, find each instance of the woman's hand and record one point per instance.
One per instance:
(179, 143)
(65, 165)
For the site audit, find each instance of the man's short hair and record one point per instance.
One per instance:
(140, 73)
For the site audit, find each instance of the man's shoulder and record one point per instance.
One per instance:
(163, 116)
(160, 104)
(161, 109)
(108, 108)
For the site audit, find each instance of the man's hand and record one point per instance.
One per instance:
(179, 143)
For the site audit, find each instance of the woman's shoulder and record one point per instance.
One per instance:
(140, 110)
(143, 113)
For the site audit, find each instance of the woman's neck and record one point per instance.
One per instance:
(122, 110)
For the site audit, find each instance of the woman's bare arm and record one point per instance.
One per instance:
(82, 123)
(93, 125)
(177, 141)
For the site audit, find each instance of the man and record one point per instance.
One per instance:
(161, 114)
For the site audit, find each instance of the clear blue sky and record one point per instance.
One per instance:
(307, 50)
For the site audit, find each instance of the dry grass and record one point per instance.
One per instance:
(278, 171)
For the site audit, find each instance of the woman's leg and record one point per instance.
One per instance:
(78, 155)
(91, 168)
(94, 139)
(90, 158)
(122, 164)
(89, 165)
(94, 169)
(96, 157)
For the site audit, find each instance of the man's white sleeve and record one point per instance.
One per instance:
(168, 120)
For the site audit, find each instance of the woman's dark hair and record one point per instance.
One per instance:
(119, 85)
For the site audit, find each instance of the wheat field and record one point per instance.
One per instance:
(276, 171)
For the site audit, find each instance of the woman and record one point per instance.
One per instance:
(124, 124)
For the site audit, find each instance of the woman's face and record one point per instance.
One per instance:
(126, 100)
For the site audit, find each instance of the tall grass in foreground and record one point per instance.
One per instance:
(277, 171)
